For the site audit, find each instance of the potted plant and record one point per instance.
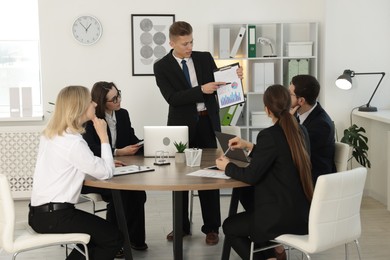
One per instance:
(353, 136)
(180, 147)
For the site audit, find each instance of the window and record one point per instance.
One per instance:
(20, 82)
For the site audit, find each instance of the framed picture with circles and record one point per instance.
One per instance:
(149, 40)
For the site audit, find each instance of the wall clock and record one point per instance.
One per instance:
(87, 29)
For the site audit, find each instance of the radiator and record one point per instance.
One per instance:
(18, 153)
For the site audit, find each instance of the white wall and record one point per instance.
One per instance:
(66, 62)
(357, 37)
(353, 34)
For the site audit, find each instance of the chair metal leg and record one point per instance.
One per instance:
(14, 255)
(85, 253)
(251, 252)
(66, 250)
(346, 251)
(358, 248)
(288, 253)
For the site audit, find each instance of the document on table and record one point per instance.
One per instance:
(209, 173)
(130, 169)
(232, 93)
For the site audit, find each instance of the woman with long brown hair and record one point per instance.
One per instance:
(280, 172)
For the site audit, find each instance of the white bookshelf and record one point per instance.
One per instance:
(297, 35)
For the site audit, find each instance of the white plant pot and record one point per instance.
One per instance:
(180, 158)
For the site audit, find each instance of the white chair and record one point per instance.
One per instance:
(341, 156)
(94, 198)
(229, 129)
(28, 240)
(334, 217)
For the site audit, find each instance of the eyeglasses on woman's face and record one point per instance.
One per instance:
(116, 99)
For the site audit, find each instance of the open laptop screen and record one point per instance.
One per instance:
(161, 138)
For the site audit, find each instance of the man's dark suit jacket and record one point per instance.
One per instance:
(322, 143)
(181, 97)
(280, 206)
(125, 134)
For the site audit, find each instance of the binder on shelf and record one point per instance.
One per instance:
(292, 70)
(237, 42)
(297, 67)
(269, 75)
(237, 113)
(258, 71)
(303, 66)
(224, 43)
(251, 41)
(228, 116)
(264, 76)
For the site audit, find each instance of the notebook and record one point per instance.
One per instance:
(237, 154)
(131, 169)
(161, 138)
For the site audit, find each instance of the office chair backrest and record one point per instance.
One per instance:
(341, 156)
(7, 215)
(335, 209)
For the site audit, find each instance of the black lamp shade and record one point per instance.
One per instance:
(344, 81)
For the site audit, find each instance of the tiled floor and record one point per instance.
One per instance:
(374, 242)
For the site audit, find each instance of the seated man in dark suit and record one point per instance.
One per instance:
(304, 91)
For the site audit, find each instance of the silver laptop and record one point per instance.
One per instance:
(161, 138)
(237, 154)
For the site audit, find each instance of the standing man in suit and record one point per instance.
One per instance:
(304, 91)
(186, 81)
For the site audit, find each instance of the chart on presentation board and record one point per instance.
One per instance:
(232, 93)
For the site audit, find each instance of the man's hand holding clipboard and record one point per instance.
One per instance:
(232, 93)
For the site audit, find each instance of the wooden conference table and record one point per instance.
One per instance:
(165, 178)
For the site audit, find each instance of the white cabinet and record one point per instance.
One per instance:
(270, 53)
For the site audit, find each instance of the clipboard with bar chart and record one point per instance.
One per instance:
(232, 93)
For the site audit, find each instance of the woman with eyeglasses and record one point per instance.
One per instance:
(123, 142)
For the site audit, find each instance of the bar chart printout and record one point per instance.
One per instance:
(232, 93)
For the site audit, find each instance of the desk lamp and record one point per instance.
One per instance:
(266, 41)
(345, 82)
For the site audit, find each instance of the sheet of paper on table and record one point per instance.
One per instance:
(209, 173)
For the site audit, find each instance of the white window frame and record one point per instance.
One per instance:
(20, 79)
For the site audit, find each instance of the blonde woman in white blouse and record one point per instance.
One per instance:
(64, 159)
